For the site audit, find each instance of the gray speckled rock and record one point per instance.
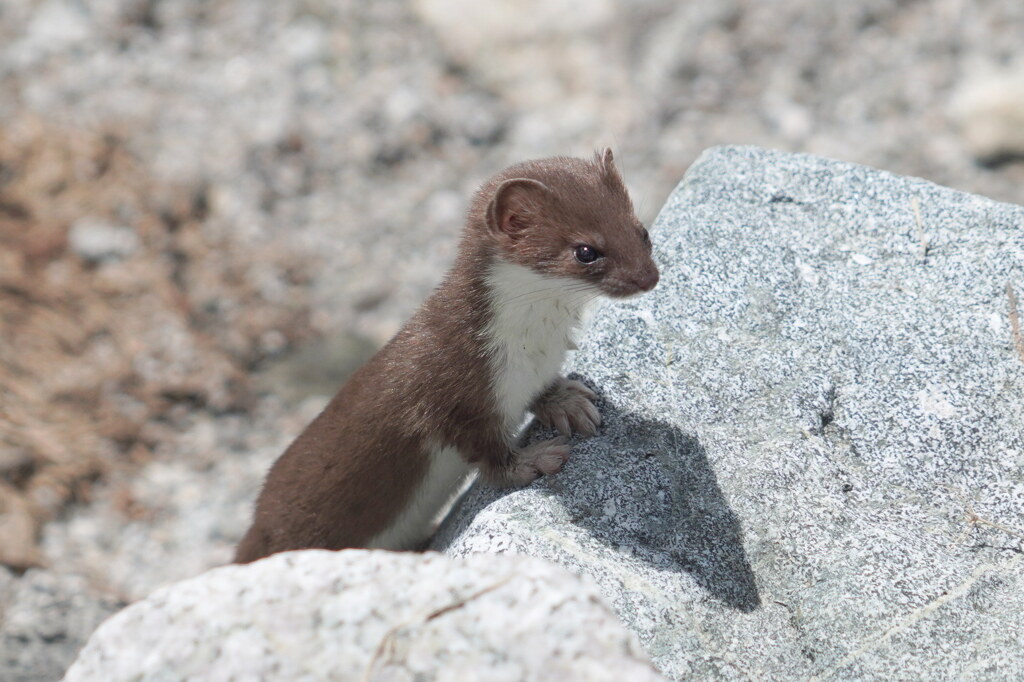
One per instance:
(800, 422)
(360, 615)
(44, 620)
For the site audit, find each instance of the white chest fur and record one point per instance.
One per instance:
(533, 321)
(534, 318)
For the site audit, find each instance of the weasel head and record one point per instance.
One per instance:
(571, 218)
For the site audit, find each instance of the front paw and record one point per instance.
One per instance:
(540, 459)
(567, 406)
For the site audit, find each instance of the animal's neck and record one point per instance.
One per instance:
(533, 319)
(524, 302)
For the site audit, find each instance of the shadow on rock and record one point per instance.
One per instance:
(646, 490)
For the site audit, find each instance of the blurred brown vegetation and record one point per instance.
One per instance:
(101, 354)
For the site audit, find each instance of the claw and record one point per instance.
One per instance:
(547, 457)
(566, 407)
(582, 388)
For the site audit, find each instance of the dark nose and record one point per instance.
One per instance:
(647, 281)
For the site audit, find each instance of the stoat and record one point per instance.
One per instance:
(449, 392)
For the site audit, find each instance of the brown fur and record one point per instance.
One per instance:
(357, 465)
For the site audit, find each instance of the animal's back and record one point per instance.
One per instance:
(344, 479)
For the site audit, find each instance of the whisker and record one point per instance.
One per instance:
(643, 205)
(573, 296)
(548, 289)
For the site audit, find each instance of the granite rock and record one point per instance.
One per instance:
(44, 620)
(812, 464)
(318, 615)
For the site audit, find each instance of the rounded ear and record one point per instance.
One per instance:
(516, 206)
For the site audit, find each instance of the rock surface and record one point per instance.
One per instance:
(352, 615)
(812, 464)
(46, 619)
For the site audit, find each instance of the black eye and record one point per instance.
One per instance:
(646, 235)
(586, 254)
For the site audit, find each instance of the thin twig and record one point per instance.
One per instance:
(922, 238)
(387, 641)
(1018, 338)
(974, 519)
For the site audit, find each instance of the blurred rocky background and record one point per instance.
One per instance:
(211, 210)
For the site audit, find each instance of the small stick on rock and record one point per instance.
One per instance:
(1018, 338)
(973, 519)
(921, 236)
(385, 650)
